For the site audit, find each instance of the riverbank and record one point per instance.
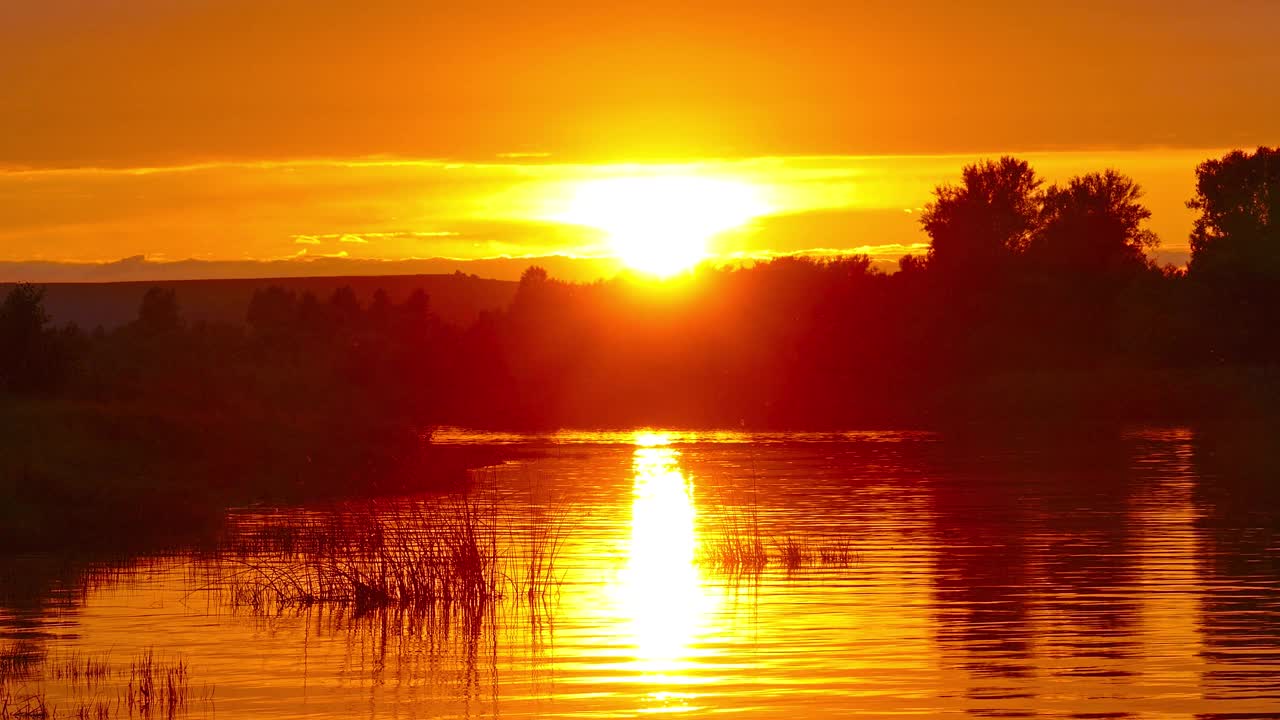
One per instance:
(77, 475)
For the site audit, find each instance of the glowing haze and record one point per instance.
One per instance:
(239, 132)
(662, 224)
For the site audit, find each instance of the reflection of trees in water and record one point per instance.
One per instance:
(981, 579)
(1085, 557)
(1034, 555)
(1239, 500)
(1065, 558)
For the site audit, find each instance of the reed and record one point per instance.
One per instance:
(792, 554)
(23, 705)
(19, 659)
(77, 668)
(736, 553)
(838, 553)
(154, 688)
(537, 542)
(737, 542)
(452, 553)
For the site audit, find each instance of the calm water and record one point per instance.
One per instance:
(1108, 574)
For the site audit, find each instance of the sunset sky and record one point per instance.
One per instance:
(252, 131)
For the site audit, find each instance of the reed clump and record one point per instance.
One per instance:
(734, 552)
(17, 705)
(19, 659)
(420, 554)
(76, 667)
(838, 553)
(430, 554)
(750, 553)
(91, 688)
(156, 687)
(738, 543)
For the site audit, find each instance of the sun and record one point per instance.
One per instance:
(661, 225)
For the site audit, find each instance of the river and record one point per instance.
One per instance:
(1102, 573)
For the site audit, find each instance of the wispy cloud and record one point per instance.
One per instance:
(363, 238)
(390, 208)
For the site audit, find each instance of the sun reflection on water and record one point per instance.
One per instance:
(661, 588)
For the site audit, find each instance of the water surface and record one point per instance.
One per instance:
(1095, 574)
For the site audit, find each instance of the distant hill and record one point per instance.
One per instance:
(456, 298)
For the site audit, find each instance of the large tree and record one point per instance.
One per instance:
(1094, 225)
(1235, 253)
(982, 224)
(1237, 235)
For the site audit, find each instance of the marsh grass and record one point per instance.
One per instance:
(428, 555)
(157, 686)
(90, 687)
(423, 554)
(20, 659)
(426, 579)
(736, 542)
(536, 534)
(736, 553)
(838, 553)
(19, 705)
(80, 668)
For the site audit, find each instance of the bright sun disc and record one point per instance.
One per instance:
(661, 224)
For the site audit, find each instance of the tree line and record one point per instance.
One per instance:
(1033, 298)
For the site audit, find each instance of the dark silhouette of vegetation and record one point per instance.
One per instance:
(986, 221)
(1238, 231)
(33, 356)
(1093, 227)
(1235, 253)
(1033, 301)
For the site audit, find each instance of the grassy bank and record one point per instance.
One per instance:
(73, 474)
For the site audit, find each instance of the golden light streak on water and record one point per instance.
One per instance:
(661, 589)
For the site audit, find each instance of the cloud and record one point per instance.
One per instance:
(840, 231)
(300, 264)
(363, 238)
(391, 208)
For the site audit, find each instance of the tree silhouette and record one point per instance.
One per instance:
(1093, 225)
(344, 309)
(378, 315)
(1235, 253)
(1237, 234)
(23, 341)
(979, 226)
(1031, 299)
(911, 264)
(158, 314)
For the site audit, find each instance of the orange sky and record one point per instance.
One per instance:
(256, 122)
